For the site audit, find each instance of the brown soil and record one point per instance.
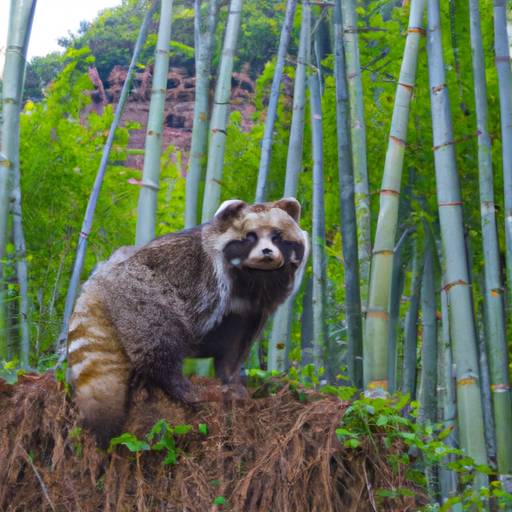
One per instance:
(274, 453)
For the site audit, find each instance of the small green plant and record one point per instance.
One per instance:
(162, 433)
(221, 501)
(77, 446)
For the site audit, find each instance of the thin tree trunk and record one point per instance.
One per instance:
(493, 296)
(502, 63)
(455, 262)
(218, 123)
(91, 206)
(280, 335)
(266, 148)
(358, 136)
(20, 24)
(204, 43)
(318, 237)
(348, 221)
(377, 320)
(411, 322)
(146, 209)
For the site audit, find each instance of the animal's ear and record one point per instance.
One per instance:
(229, 209)
(291, 206)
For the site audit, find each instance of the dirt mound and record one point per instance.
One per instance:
(275, 453)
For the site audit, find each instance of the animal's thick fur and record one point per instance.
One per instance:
(202, 292)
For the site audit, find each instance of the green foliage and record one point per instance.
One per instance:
(391, 419)
(60, 153)
(162, 434)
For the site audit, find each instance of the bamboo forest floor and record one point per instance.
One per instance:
(274, 453)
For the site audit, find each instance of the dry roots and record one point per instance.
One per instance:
(274, 453)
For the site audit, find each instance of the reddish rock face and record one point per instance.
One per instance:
(179, 106)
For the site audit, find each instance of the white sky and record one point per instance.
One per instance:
(53, 19)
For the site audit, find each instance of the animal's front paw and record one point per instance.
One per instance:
(183, 390)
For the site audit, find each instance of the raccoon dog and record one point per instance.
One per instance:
(203, 292)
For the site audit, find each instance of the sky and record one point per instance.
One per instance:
(53, 19)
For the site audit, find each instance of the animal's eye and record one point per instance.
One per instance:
(277, 236)
(252, 236)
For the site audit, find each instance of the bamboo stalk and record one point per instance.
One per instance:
(397, 286)
(93, 199)
(219, 119)
(411, 321)
(493, 297)
(318, 237)
(446, 402)
(502, 63)
(377, 320)
(348, 218)
(358, 137)
(427, 411)
(146, 209)
(469, 401)
(280, 335)
(266, 148)
(204, 42)
(20, 24)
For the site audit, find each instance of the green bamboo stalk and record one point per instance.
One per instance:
(295, 145)
(218, 122)
(455, 261)
(377, 320)
(411, 321)
(427, 411)
(20, 24)
(447, 408)
(146, 209)
(493, 298)
(397, 286)
(204, 42)
(280, 335)
(332, 363)
(266, 147)
(358, 137)
(306, 330)
(348, 221)
(21, 269)
(502, 63)
(93, 199)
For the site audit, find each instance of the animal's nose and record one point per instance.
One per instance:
(267, 251)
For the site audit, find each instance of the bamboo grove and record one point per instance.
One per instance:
(395, 138)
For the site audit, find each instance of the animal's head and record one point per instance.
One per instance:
(263, 236)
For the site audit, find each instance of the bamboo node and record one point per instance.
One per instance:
(407, 86)
(400, 142)
(84, 235)
(389, 192)
(466, 382)
(378, 314)
(378, 384)
(455, 283)
(501, 58)
(384, 252)
(455, 203)
(500, 388)
(417, 30)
